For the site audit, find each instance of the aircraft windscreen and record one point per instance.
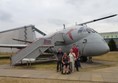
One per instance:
(89, 30)
(82, 29)
(94, 31)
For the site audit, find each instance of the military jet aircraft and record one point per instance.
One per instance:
(89, 42)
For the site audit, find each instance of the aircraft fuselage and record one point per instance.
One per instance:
(89, 42)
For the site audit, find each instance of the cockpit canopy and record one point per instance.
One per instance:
(89, 30)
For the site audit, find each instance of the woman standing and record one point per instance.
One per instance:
(72, 59)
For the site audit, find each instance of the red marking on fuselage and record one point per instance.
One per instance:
(69, 33)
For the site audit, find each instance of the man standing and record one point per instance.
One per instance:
(59, 59)
(76, 51)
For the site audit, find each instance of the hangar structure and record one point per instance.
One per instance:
(108, 36)
(20, 35)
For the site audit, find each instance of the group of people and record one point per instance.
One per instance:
(64, 61)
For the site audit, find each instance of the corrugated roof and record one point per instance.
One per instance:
(42, 33)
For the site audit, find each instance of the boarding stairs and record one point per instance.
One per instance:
(36, 48)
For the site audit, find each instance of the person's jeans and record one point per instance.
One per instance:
(59, 65)
(77, 64)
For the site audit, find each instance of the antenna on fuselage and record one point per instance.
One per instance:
(76, 24)
(64, 26)
(97, 19)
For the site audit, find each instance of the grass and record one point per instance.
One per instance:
(4, 61)
(111, 56)
(6, 55)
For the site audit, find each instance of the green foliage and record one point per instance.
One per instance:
(112, 45)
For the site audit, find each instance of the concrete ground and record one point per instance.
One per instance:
(104, 75)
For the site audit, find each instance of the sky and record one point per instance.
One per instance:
(50, 15)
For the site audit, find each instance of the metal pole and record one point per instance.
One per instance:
(11, 57)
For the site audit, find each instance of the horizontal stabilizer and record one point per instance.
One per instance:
(22, 41)
(19, 46)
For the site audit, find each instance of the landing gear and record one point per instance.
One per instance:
(86, 59)
(83, 59)
(90, 59)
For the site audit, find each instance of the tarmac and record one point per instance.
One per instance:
(104, 75)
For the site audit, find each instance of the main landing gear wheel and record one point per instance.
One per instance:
(90, 59)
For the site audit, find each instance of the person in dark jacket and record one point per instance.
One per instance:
(59, 59)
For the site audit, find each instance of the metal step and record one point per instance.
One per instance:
(31, 51)
(37, 48)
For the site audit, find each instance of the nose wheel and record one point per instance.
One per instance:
(86, 59)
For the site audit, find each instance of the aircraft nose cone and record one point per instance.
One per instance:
(101, 48)
(95, 46)
(95, 49)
